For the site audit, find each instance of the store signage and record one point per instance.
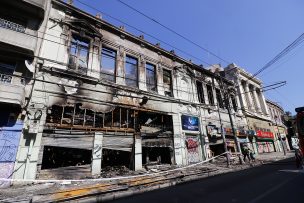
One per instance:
(263, 134)
(243, 140)
(212, 130)
(190, 123)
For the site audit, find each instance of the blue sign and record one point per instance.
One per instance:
(190, 123)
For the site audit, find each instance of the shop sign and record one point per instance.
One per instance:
(263, 134)
(228, 131)
(230, 143)
(241, 132)
(190, 123)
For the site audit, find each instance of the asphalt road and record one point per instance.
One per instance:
(276, 182)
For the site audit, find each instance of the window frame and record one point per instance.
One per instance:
(84, 39)
(200, 94)
(155, 76)
(115, 61)
(171, 82)
(137, 71)
(210, 100)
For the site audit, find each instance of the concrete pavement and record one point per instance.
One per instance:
(105, 189)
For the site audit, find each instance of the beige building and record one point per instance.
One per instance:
(278, 127)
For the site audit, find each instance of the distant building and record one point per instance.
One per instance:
(278, 127)
(254, 108)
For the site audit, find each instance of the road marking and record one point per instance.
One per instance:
(293, 171)
(270, 191)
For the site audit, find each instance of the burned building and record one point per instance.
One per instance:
(102, 97)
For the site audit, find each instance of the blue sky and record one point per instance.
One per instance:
(248, 33)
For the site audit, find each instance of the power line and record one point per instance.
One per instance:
(173, 31)
(143, 32)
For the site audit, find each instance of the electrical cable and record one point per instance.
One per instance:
(173, 31)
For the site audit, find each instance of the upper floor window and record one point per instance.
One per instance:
(200, 92)
(167, 80)
(219, 98)
(6, 72)
(151, 77)
(108, 64)
(234, 103)
(79, 53)
(131, 70)
(210, 94)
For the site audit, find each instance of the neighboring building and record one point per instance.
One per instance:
(21, 29)
(103, 97)
(278, 127)
(254, 107)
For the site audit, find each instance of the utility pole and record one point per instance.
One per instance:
(222, 133)
(227, 104)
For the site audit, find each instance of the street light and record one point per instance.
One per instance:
(275, 118)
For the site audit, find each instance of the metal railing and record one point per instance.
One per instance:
(11, 26)
(5, 78)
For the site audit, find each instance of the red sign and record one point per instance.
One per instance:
(263, 134)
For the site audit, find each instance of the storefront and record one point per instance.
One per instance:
(265, 141)
(231, 146)
(191, 131)
(216, 144)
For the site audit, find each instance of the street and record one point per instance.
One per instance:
(276, 182)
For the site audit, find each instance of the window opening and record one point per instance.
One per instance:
(108, 64)
(210, 94)
(200, 92)
(167, 81)
(151, 77)
(79, 54)
(131, 69)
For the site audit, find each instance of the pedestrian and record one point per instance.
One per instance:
(246, 153)
(299, 158)
(251, 155)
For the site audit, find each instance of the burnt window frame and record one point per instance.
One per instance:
(200, 93)
(155, 76)
(137, 71)
(110, 57)
(219, 98)
(89, 42)
(171, 82)
(128, 122)
(210, 94)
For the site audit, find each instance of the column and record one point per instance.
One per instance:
(97, 153)
(242, 99)
(120, 69)
(94, 58)
(138, 153)
(257, 101)
(249, 99)
(263, 103)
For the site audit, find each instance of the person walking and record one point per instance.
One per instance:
(246, 153)
(299, 158)
(251, 155)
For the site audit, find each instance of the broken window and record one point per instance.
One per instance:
(156, 155)
(152, 123)
(219, 98)
(77, 116)
(200, 92)
(55, 157)
(234, 104)
(131, 69)
(112, 158)
(167, 81)
(108, 64)
(6, 71)
(210, 94)
(79, 54)
(151, 77)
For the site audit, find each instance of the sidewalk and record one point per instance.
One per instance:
(109, 189)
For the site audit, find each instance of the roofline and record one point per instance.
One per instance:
(137, 39)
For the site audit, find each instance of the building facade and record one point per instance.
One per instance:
(278, 128)
(21, 29)
(97, 96)
(259, 128)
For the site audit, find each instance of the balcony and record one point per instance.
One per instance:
(41, 4)
(15, 35)
(12, 90)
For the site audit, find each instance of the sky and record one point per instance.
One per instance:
(245, 32)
